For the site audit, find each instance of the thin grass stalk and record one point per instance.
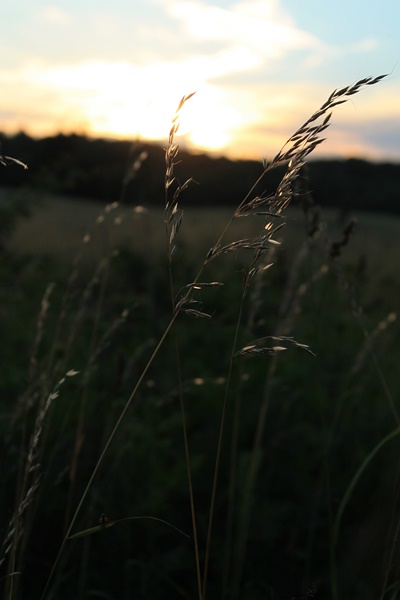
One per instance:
(231, 491)
(383, 382)
(188, 467)
(219, 445)
(68, 293)
(31, 479)
(244, 518)
(27, 487)
(357, 312)
(84, 399)
(105, 449)
(249, 277)
(53, 369)
(173, 219)
(345, 500)
(22, 473)
(339, 405)
(227, 572)
(44, 306)
(394, 527)
(186, 447)
(370, 347)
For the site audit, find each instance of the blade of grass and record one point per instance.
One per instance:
(346, 498)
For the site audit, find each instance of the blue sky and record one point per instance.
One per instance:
(259, 69)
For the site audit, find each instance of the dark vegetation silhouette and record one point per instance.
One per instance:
(81, 166)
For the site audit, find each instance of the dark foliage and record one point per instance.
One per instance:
(94, 168)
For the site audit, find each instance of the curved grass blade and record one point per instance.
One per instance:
(356, 478)
(346, 499)
(107, 524)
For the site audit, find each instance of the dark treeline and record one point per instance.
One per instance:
(96, 168)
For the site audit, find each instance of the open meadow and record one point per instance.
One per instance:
(200, 403)
(326, 414)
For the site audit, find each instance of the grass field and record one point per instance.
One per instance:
(66, 221)
(324, 417)
(186, 414)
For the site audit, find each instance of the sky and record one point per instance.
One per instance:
(260, 68)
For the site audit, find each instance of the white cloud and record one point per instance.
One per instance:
(259, 25)
(55, 15)
(365, 45)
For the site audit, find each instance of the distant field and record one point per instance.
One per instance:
(58, 225)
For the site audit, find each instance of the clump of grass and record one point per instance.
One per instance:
(30, 483)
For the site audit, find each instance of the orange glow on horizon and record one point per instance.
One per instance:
(119, 100)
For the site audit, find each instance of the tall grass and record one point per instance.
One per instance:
(223, 458)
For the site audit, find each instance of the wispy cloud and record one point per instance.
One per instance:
(259, 25)
(55, 15)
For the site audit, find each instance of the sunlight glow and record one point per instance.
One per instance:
(122, 100)
(138, 98)
(258, 67)
(118, 98)
(210, 121)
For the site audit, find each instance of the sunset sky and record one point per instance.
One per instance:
(259, 69)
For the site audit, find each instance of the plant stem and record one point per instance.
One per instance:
(107, 445)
